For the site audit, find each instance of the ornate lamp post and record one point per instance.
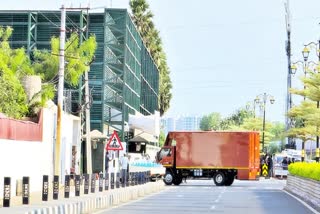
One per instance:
(317, 47)
(294, 68)
(262, 99)
(248, 107)
(305, 53)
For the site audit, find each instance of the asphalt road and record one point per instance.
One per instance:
(202, 196)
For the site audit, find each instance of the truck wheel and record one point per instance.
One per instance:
(229, 180)
(177, 180)
(168, 178)
(219, 178)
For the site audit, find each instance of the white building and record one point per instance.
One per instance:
(181, 123)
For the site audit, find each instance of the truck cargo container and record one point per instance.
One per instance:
(221, 155)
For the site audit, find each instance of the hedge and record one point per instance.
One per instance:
(306, 170)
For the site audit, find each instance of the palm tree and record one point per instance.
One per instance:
(142, 17)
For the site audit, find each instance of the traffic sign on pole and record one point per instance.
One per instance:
(114, 142)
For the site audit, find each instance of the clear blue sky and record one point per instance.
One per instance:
(222, 53)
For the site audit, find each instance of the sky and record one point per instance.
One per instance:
(221, 54)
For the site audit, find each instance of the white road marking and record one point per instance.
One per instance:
(302, 202)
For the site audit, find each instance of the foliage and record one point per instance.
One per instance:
(78, 57)
(142, 17)
(236, 119)
(273, 148)
(278, 131)
(306, 114)
(306, 170)
(162, 138)
(13, 100)
(210, 122)
(244, 120)
(13, 65)
(240, 115)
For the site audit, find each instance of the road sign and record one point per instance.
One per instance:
(114, 142)
(265, 170)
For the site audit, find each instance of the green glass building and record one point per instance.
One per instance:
(123, 79)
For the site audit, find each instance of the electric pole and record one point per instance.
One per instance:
(288, 51)
(60, 91)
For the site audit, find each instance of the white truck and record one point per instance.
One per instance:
(142, 158)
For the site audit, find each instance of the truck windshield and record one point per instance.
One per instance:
(164, 152)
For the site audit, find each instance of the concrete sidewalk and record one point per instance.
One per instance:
(81, 204)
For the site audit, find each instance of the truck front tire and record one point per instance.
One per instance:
(219, 178)
(168, 178)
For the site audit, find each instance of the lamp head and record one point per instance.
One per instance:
(272, 100)
(305, 53)
(293, 68)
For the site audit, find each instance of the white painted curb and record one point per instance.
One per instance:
(86, 204)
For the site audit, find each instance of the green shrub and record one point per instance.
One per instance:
(306, 170)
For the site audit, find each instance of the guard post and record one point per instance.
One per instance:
(66, 186)
(93, 183)
(25, 190)
(100, 182)
(45, 187)
(55, 187)
(112, 180)
(86, 183)
(106, 182)
(6, 192)
(118, 180)
(77, 185)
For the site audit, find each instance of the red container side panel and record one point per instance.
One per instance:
(12, 129)
(212, 149)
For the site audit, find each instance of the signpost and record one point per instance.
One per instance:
(114, 142)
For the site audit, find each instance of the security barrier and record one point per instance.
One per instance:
(136, 178)
(264, 169)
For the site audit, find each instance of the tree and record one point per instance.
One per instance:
(306, 114)
(210, 122)
(256, 124)
(162, 138)
(236, 119)
(78, 57)
(14, 64)
(273, 148)
(278, 131)
(303, 112)
(142, 17)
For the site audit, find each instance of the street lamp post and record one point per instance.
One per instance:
(317, 45)
(264, 98)
(248, 106)
(305, 53)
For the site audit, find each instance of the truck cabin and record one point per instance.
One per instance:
(164, 152)
(165, 155)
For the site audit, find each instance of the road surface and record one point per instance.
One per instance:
(202, 196)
